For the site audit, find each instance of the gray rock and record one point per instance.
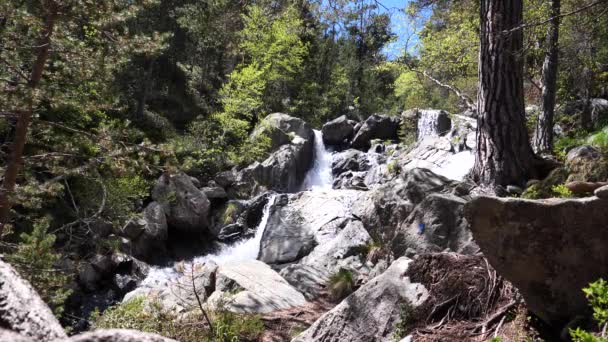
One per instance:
(154, 231)
(185, 206)
(376, 127)
(88, 276)
(601, 192)
(549, 249)
(283, 171)
(259, 289)
(124, 283)
(514, 190)
(337, 131)
(345, 250)
(372, 312)
(9, 336)
(299, 222)
(289, 124)
(119, 335)
(349, 160)
(214, 192)
(102, 264)
(225, 178)
(436, 224)
(101, 229)
(585, 163)
(23, 311)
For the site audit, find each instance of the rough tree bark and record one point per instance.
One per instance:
(13, 166)
(504, 155)
(543, 139)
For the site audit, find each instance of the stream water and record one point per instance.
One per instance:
(318, 178)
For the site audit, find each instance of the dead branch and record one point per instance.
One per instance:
(198, 299)
(470, 104)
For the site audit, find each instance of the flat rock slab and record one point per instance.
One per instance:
(548, 249)
(253, 287)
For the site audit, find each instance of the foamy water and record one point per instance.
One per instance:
(239, 251)
(319, 176)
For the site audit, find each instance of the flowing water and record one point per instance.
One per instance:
(319, 176)
(243, 250)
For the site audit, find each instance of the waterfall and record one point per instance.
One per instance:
(433, 123)
(239, 251)
(319, 176)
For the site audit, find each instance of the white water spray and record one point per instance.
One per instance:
(319, 176)
(239, 251)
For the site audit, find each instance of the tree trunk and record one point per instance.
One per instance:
(504, 155)
(25, 117)
(543, 139)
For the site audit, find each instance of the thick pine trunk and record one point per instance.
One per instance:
(13, 166)
(504, 155)
(543, 139)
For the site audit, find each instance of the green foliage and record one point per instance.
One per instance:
(597, 295)
(136, 314)
(403, 326)
(532, 192)
(562, 191)
(341, 284)
(393, 168)
(36, 260)
(229, 213)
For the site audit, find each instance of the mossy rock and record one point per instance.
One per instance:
(543, 189)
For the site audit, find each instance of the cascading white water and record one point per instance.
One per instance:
(319, 176)
(242, 250)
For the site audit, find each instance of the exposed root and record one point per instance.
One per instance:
(468, 300)
(285, 324)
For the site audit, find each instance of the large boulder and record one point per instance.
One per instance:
(299, 222)
(426, 209)
(373, 312)
(119, 335)
(376, 127)
(253, 287)
(286, 167)
(586, 163)
(337, 131)
(150, 232)
(549, 249)
(186, 206)
(435, 225)
(23, 311)
(288, 124)
(345, 251)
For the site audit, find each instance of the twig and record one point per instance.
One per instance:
(198, 300)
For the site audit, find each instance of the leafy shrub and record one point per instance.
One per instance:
(393, 168)
(229, 212)
(597, 295)
(562, 191)
(35, 260)
(341, 284)
(135, 314)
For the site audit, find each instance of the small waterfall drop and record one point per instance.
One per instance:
(319, 176)
(239, 251)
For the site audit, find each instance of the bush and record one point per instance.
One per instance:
(562, 191)
(35, 261)
(134, 314)
(597, 295)
(341, 284)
